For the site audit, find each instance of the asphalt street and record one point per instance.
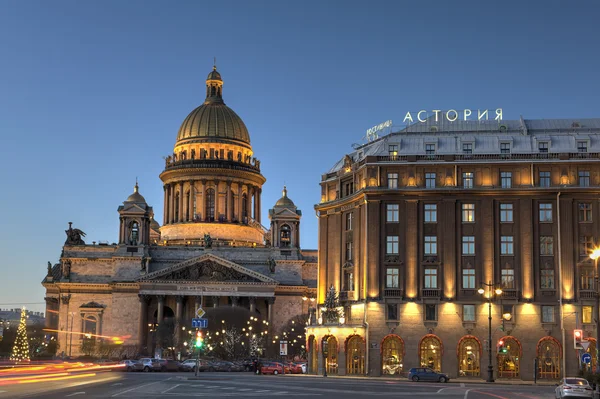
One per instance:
(246, 385)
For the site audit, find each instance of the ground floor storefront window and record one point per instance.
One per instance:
(509, 362)
(355, 355)
(392, 355)
(549, 357)
(430, 351)
(469, 357)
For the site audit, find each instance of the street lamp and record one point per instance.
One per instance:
(491, 290)
(595, 255)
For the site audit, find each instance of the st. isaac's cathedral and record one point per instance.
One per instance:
(211, 251)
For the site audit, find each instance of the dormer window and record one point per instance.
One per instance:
(393, 150)
(467, 148)
(543, 146)
(582, 146)
(430, 149)
(504, 148)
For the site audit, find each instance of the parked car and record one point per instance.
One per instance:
(294, 368)
(190, 365)
(271, 368)
(426, 374)
(149, 364)
(572, 387)
(304, 367)
(168, 365)
(131, 365)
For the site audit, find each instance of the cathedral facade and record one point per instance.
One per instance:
(211, 251)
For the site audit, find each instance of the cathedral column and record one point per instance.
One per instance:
(143, 327)
(217, 202)
(240, 210)
(191, 202)
(171, 202)
(270, 302)
(258, 204)
(229, 202)
(234, 301)
(121, 231)
(181, 218)
(216, 300)
(252, 301)
(255, 197)
(203, 201)
(249, 201)
(165, 204)
(161, 309)
(178, 316)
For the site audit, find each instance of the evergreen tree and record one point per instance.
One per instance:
(331, 313)
(20, 350)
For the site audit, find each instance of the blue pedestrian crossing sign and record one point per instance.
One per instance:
(586, 358)
(199, 323)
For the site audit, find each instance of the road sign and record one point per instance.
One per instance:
(200, 312)
(283, 348)
(199, 323)
(585, 345)
(586, 358)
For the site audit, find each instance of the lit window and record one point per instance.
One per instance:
(393, 150)
(544, 179)
(349, 220)
(467, 148)
(468, 245)
(584, 178)
(392, 179)
(547, 245)
(391, 277)
(429, 149)
(586, 314)
(468, 213)
(429, 180)
(585, 212)
(506, 213)
(506, 245)
(547, 280)
(430, 213)
(392, 212)
(468, 279)
(392, 245)
(508, 278)
(543, 146)
(547, 314)
(431, 278)
(545, 212)
(582, 146)
(468, 312)
(430, 245)
(506, 179)
(467, 179)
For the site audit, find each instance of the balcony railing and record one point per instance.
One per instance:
(509, 293)
(392, 293)
(587, 294)
(430, 293)
(485, 157)
(213, 163)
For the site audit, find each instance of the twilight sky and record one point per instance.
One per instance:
(92, 94)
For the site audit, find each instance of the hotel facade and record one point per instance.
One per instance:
(427, 231)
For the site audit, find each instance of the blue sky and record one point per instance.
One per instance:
(93, 93)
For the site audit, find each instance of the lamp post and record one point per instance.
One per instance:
(595, 255)
(489, 295)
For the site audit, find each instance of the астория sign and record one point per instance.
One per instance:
(453, 115)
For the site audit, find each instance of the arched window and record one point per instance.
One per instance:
(509, 362)
(430, 351)
(330, 351)
(392, 355)
(244, 206)
(285, 236)
(469, 357)
(355, 355)
(135, 234)
(313, 363)
(210, 205)
(549, 356)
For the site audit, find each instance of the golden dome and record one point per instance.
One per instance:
(284, 201)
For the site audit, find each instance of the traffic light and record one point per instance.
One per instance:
(577, 338)
(501, 348)
(199, 340)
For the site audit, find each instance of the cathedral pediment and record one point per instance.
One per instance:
(132, 208)
(284, 212)
(208, 268)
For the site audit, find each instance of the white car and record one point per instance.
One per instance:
(572, 387)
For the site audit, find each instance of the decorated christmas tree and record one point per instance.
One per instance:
(332, 312)
(20, 350)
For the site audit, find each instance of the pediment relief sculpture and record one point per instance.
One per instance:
(207, 271)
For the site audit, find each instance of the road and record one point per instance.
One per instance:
(247, 385)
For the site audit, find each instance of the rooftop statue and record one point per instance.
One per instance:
(74, 236)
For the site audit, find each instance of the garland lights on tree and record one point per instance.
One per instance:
(20, 351)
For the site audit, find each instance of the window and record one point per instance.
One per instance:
(348, 251)
(468, 213)
(431, 278)
(506, 213)
(392, 245)
(349, 217)
(586, 314)
(468, 312)
(468, 245)
(547, 245)
(508, 278)
(506, 245)
(430, 313)
(349, 187)
(430, 245)
(544, 179)
(392, 212)
(587, 279)
(393, 150)
(468, 279)
(547, 314)
(210, 205)
(429, 180)
(285, 236)
(585, 212)
(135, 233)
(586, 245)
(545, 212)
(547, 281)
(392, 311)
(429, 149)
(543, 146)
(430, 213)
(392, 179)
(584, 178)
(391, 277)
(504, 148)
(467, 148)
(467, 179)
(506, 179)
(582, 146)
